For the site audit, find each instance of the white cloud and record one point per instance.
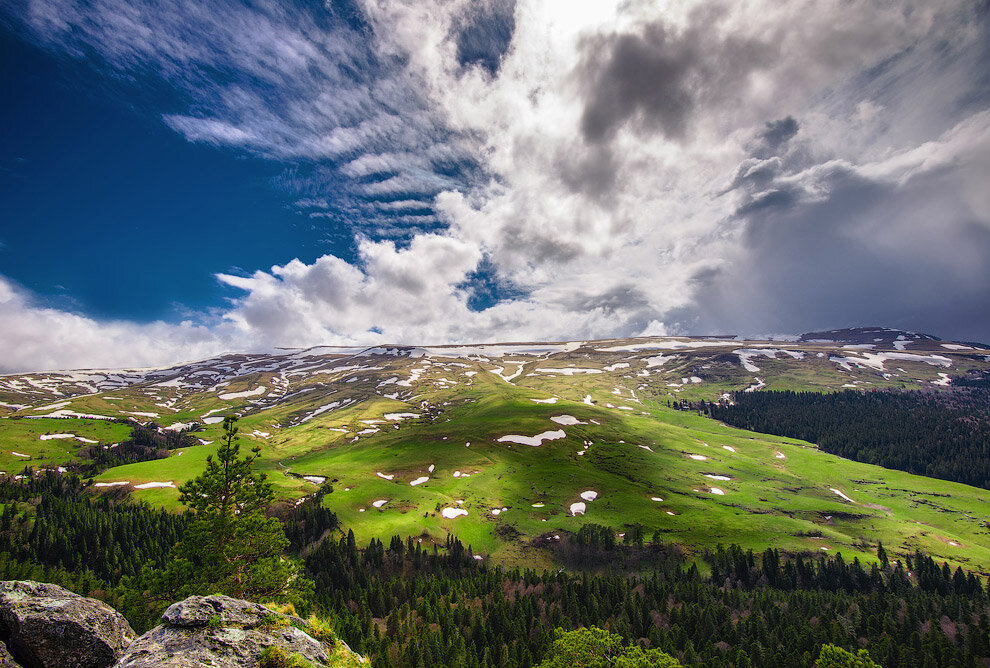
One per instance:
(36, 338)
(609, 210)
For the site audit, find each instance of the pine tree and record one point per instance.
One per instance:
(230, 546)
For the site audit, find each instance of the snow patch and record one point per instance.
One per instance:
(385, 477)
(152, 485)
(400, 416)
(838, 493)
(566, 420)
(717, 477)
(533, 441)
(316, 479)
(568, 371)
(452, 513)
(716, 490)
(589, 495)
(246, 393)
(551, 400)
(379, 503)
(48, 437)
(698, 458)
(578, 508)
(419, 481)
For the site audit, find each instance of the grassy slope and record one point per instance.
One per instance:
(768, 501)
(785, 502)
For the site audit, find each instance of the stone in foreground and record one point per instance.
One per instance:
(44, 626)
(223, 632)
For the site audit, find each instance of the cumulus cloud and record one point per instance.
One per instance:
(35, 337)
(622, 167)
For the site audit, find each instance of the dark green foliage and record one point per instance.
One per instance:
(230, 546)
(408, 606)
(47, 519)
(146, 443)
(308, 521)
(941, 435)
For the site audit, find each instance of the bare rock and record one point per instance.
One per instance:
(222, 632)
(46, 626)
(6, 660)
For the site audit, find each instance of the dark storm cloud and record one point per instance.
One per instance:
(484, 34)
(659, 77)
(774, 138)
(909, 255)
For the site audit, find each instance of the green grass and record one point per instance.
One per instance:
(768, 501)
(24, 436)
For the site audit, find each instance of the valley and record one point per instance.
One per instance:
(510, 447)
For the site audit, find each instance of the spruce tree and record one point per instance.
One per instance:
(230, 546)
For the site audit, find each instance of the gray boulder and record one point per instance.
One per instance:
(46, 626)
(223, 632)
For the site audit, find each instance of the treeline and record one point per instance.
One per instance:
(47, 519)
(146, 442)
(409, 603)
(941, 435)
(409, 606)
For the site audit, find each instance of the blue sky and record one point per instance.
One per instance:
(180, 179)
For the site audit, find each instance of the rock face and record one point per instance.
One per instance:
(222, 632)
(45, 626)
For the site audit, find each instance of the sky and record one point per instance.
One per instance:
(180, 179)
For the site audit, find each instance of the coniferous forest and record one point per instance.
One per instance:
(939, 435)
(409, 603)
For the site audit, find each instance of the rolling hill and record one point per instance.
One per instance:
(508, 446)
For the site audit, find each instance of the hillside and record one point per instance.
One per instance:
(509, 445)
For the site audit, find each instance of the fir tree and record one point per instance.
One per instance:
(230, 546)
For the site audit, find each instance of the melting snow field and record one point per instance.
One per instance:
(716, 490)
(18, 454)
(152, 485)
(534, 441)
(578, 508)
(698, 458)
(551, 400)
(386, 477)
(646, 447)
(47, 437)
(379, 503)
(538, 505)
(419, 481)
(566, 420)
(451, 513)
(780, 455)
(717, 477)
(876, 360)
(111, 484)
(837, 492)
(240, 395)
(729, 448)
(317, 479)
(655, 498)
(590, 495)
(568, 371)
(400, 416)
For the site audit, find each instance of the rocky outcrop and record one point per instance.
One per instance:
(225, 632)
(43, 625)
